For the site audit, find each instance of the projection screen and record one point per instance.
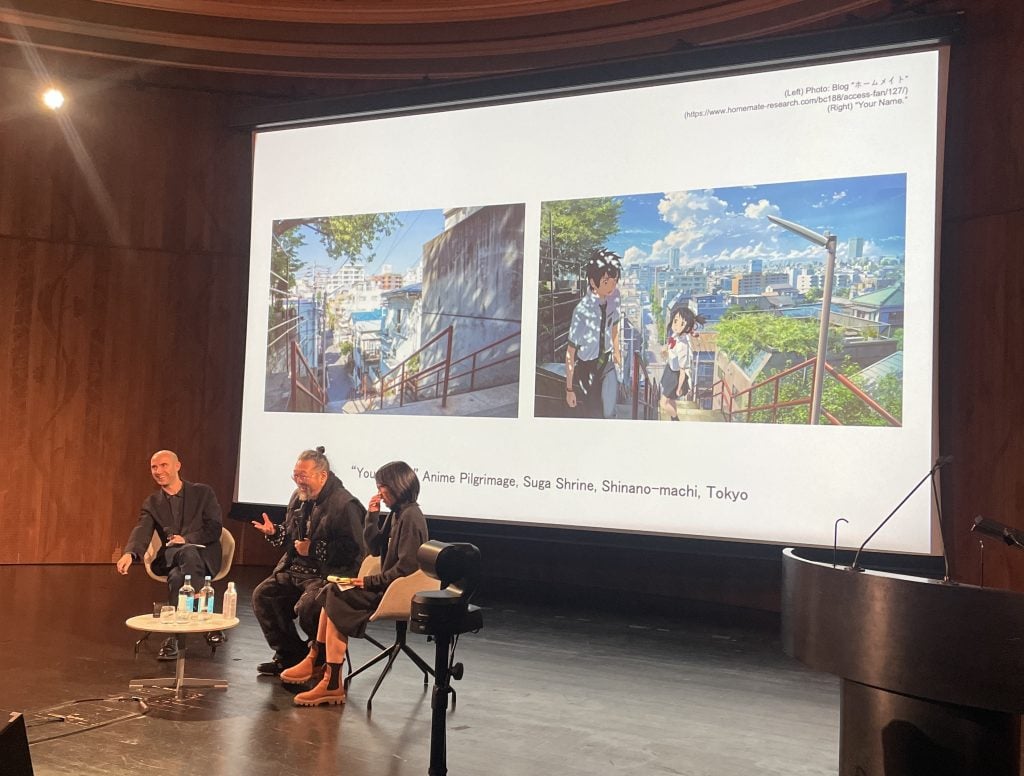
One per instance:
(418, 291)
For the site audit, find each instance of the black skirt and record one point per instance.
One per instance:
(670, 381)
(350, 610)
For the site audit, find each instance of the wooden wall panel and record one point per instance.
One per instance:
(122, 325)
(123, 248)
(982, 291)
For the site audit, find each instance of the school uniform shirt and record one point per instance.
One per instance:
(585, 329)
(680, 353)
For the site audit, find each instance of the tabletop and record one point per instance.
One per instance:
(147, 622)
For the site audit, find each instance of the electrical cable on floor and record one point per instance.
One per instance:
(49, 712)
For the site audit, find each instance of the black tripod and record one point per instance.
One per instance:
(439, 703)
(445, 670)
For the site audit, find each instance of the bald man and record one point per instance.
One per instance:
(183, 514)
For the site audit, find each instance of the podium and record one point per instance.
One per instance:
(932, 673)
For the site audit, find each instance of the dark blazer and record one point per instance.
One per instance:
(396, 538)
(201, 524)
(335, 531)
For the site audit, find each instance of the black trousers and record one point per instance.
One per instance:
(182, 561)
(596, 385)
(277, 601)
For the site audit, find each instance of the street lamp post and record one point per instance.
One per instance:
(828, 242)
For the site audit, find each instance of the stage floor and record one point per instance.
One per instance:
(546, 691)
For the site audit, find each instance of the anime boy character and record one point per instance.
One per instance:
(594, 351)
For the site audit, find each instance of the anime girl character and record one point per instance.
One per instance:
(676, 379)
(594, 352)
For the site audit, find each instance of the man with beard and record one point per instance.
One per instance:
(186, 517)
(322, 534)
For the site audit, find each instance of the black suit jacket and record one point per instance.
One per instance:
(201, 524)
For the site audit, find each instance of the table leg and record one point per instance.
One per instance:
(180, 681)
(179, 668)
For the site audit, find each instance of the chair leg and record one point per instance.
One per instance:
(139, 643)
(393, 654)
(373, 641)
(369, 664)
(420, 663)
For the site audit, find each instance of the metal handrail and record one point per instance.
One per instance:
(316, 393)
(442, 371)
(648, 403)
(403, 380)
(776, 405)
(417, 380)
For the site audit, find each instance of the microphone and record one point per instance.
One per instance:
(1011, 536)
(939, 463)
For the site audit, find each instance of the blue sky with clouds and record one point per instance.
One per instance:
(731, 224)
(401, 250)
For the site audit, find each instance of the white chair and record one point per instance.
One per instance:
(397, 605)
(227, 556)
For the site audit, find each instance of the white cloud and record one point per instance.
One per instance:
(827, 200)
(633, 255)
(871, 248)
(704, 227)
(760, 209)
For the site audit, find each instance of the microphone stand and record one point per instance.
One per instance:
(835, 539)
(931, 473)
(981, 563)
(938, 513)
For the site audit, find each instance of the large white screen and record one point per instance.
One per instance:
(384, 234)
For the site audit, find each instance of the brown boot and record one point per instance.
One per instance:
(330, 690)
(306, 670)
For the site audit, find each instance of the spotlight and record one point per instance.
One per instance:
(53, 98)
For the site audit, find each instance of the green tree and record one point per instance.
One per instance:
(744, 335)
(570, 231)
(814, 294)
(837, 400)
(344, 238)
(656, 313)
(572, 228)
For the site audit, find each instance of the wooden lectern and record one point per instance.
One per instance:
(932, 672)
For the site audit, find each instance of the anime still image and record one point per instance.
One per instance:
(406, 313)
(707, 305)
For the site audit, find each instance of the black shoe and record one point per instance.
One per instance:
(216, 638)
(168, 650)
(270, 668)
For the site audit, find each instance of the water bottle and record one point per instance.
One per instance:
(206, 597)
(186, 600)
(230, 602)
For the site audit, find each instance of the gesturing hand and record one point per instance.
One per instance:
(266, 527)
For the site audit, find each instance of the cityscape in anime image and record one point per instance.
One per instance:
(407, 313)
(710, 305)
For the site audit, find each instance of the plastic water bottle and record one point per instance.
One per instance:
(186, 600)
(206, 597)
(230, 602)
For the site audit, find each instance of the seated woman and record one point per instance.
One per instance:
(396, 538)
